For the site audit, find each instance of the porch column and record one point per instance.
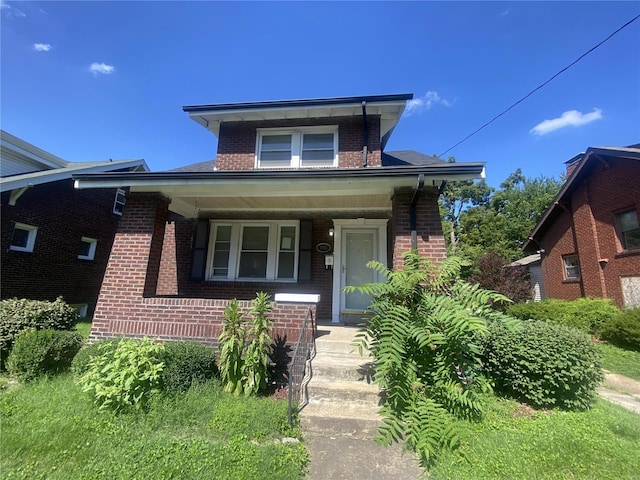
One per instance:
(428, 225)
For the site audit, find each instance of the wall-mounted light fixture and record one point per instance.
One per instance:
(331, 232)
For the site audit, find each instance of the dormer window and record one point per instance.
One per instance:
(306, 147)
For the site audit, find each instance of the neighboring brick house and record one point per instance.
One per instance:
(55, 239)
(589, 237)
(299, 198)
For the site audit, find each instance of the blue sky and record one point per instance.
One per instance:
(97, 80)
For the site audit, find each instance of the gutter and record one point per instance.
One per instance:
(365, 134)
(412, 212)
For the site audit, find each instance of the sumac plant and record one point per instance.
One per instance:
(423, 335)
(245, 346)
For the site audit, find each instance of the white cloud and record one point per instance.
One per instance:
(572, 118)
(11, 11)
(425, 102)
(41, 47)
(103, 68)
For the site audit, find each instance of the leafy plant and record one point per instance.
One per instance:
(125, 376)
(186, 364)
(245, 347)
(586, 314)
(82, 361)
(623, 329)
(43, 352)
(423, 335)
(544, 364)
(17, 315)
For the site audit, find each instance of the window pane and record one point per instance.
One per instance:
(253, 265)
(313, 155)
(628, 221)
(632, 238)
(221, 260)
(287, 238)
(85, 249)
(255, 238)
(317, 141)
(276, 142)
(223, 234)
(286, 263)
(20, 238)
(281, 156)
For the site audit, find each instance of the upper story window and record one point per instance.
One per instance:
(87, 248)
(252, 250)
(628, 229)
(24, 237)
(119, 201)
(571, 267)
(297, 148)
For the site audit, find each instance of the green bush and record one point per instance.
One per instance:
(586, 314)
(81, 361)
(126, 376)
(543, 364)
(43, 352)
(623, 329)
(185, 364)
(17, 315)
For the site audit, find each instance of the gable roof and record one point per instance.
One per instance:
(583, 170)
(389, 107)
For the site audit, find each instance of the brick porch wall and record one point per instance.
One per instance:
(127, 305)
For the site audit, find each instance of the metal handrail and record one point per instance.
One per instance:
(305, 348)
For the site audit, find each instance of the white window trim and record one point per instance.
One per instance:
(119, 191)
(31, 238)
(92, 248)
(296, 144)
(236, 245)
(566, 267)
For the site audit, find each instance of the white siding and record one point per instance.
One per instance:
(535, 273)
(12, 165)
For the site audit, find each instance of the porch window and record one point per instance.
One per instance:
(24, 237)
(254, 250)
(629, 231)
(571, 267)
(302, 147)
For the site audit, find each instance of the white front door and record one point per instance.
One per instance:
(359, 248)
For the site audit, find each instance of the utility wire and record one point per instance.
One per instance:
(539, 86)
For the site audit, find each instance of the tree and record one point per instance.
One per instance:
(493, 273)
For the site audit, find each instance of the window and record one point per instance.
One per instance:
(628, 228)
(571, 267)
(87, 248)
(254, 250)
(24, 238)
(118, 203)
(303, 147)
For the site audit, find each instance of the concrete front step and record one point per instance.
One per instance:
(323, 390)
(339, 367)
(339, 419)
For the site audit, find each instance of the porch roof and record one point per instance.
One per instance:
(359, 189)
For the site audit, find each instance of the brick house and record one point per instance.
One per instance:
(55, 239)
(300, 197)
(589, 237)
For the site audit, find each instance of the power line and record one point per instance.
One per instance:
(539, 86)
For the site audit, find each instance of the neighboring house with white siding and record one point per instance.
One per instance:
(534, 268)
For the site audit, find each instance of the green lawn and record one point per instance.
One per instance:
(84, 326)
(51, 430)
(619, 360)
(515, 442)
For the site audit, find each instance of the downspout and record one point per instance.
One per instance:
(365, 132)
(412, 212)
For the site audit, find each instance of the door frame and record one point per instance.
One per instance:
(353, 224)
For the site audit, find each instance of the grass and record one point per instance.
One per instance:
(51, 430)
(515, 442)
(83, 327)
(619, 360)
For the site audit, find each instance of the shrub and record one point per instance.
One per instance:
(623, 329)
(185, 364)
(586, 314)
(17, 315)
(43, 352)
(81, 361)
(543, 364)
(493, 273)
(126, 376)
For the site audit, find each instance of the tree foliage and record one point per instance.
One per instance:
(423, 336)
(493, 273)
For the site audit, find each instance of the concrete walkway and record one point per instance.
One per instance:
(341, 417)
(621, 390)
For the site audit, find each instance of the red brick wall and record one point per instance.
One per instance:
(127, 307)
(429, 226)
(607, 190)
(63, 216)
(237, 141)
